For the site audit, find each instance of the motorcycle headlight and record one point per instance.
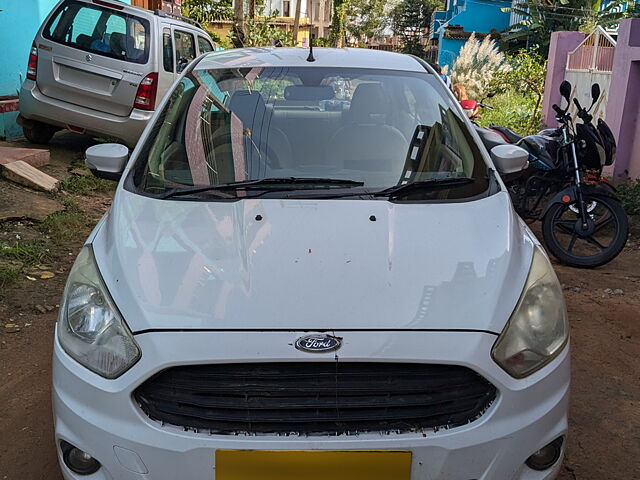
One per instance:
(90, 328)
(537, 330)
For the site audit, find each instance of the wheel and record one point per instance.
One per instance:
(602, 240)
(39, 133)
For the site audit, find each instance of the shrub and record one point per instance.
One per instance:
(477, 66)
(629, 194)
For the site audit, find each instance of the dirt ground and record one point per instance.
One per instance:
(604, 306)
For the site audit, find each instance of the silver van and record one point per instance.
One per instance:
(100, 67)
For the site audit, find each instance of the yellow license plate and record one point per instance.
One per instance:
(312, 465)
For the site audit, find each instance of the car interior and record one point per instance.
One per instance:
(304, 130)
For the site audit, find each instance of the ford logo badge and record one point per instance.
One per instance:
(318, 343)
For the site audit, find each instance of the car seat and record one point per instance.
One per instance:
(265, 145)
(366, 142)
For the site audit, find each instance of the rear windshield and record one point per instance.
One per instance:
(98, 30)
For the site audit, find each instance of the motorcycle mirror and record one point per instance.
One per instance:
(491, 94)
(595, 92)
(565, 90)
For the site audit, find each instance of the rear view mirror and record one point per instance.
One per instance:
(509, 158)
(107, 160)
(491, 94)
(595, 93)
(565, 90)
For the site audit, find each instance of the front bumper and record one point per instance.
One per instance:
(100, 416)
(34, 105)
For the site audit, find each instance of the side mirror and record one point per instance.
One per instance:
(595, 93)
(491, 94)
(509, 158)
(565, 90)
(107, 160)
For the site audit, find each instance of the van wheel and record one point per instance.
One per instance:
(39, 133)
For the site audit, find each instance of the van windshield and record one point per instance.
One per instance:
(98, 30)
(359, 130)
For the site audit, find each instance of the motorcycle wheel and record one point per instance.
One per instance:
(600, 243)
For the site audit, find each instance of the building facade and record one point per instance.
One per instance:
(452, 27)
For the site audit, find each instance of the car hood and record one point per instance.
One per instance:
(313, 265)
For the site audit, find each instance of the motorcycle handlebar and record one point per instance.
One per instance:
(557, 109)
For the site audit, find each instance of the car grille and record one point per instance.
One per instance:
(315, 398)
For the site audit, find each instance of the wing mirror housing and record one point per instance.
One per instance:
(595, 93)
(565, 90)
(107, 160)
(509, 158)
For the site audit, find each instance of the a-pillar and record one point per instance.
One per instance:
(623, 109)
(562, 43)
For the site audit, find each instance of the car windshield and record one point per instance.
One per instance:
(290, 131)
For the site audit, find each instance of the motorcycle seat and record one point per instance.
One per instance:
(509, 134)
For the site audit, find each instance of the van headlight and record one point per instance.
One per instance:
(537, 330)
(90, 328)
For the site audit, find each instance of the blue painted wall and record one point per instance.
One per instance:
(479, 16)
(19, 22)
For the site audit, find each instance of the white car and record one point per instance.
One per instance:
(310, 270)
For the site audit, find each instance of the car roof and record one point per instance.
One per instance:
(297, 57)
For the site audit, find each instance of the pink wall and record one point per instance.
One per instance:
(623, 109)
(561, 44)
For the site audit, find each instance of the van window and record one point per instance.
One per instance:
(167, 50)
(103, 31)
(204, 45)
(185, 48)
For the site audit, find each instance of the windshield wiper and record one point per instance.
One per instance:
(261, 183)
(431, 184)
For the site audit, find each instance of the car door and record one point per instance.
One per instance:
(185, 48)
(94, 56)
(204, 45)
(167, 65)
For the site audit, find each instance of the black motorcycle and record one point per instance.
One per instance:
(583, 222)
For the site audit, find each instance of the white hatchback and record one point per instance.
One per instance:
(310, 270)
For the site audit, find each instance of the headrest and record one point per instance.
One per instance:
(312, 93)
(369, 103)
(117, 43)
(247, 106)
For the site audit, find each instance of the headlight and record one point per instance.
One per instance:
(90, 328)
(537, 330)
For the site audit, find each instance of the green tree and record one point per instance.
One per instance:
(367, 19)
(207, 10)
(410, 19)
(526, 74)
(336, 37)
(541, 18)
(261, 32)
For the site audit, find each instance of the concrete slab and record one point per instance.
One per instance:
(36, 157)
(24, 174)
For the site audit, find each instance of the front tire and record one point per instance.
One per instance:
(599, 244)
(39, 133)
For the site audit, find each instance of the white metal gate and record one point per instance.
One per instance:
(592, 62)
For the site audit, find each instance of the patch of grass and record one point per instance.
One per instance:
(86, 185)
(63, 227)
(629, 194)
(514, 110)
(17, 256)
(9, 276)
(28, 252)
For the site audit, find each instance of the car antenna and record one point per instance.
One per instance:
(311, 58)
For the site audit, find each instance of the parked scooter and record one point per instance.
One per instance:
(583, 222)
